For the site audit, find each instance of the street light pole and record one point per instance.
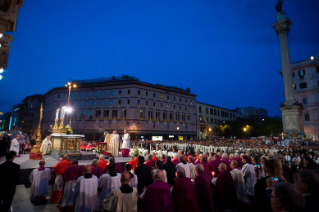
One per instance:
(177, 133)
(69, 86)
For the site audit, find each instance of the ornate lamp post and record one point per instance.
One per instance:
(69, 85)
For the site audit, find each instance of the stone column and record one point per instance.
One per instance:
(291, 109)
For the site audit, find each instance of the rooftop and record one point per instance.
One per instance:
(124, 79)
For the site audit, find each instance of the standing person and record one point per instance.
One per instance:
(102, 163)
(39, 179)
(86, 192)
(169, 167)
(203, 189)
(114, 144)
(107, 141)
(249, 175)
(97, 171)
(126, 144)
(2, 148)
(70, 176)
(46, 146)
(134, 181)
(9, 178)
(225, 190)
(143, 174)
(134, 162)
(239, 182)
(183, 194)
(157, 196)
(123, 198)
(59, 169)
(15, 144)
(7, 141)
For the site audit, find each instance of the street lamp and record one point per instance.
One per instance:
(69, 110)
(210, 133)
(1, 70)
(177, 133)
(245, 132)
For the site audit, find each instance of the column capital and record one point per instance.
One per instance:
(282, 27)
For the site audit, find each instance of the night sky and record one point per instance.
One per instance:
(226, 51)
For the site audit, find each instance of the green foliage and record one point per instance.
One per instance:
(135, 151)
(253, 129)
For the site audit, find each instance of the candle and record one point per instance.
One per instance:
(213, 173)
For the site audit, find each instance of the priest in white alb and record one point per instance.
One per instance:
(126, 144)
(39, 179)
(46, 146)
(114, 144)
(86, 192)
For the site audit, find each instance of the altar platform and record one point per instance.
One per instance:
(28, 165)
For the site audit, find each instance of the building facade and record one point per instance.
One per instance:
(26, 115)
(256, 114)
(8, 20)
(119, 103)
(209, 117)
(306, 84)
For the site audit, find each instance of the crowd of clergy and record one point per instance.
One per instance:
(186, 180)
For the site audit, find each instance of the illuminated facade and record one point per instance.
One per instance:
(119, 103)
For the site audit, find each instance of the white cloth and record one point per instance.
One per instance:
(39, 182)
(107, 184)
(192, 170)
(58, 183)
(15, 146)
(250, 178)
(114, 145)
(239, 183)
(126, 141)
(186, 168)
(134, 181)
(120, 202)
(86, 194)
(46, 147)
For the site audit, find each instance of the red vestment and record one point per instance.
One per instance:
(226, 197)
(102, 164)
(175, 161)
(184, 197)
(150, 163)
(203, 192)
(61, 166)
(155, 159)
(158, 198)
(133, 163)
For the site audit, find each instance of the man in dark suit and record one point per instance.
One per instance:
(143, 174)
(9, 178)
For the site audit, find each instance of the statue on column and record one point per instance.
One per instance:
(279, 6)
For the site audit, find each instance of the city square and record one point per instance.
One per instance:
(112, 106)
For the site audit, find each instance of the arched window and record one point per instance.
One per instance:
(307, 118)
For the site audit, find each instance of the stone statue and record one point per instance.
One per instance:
(279, 6)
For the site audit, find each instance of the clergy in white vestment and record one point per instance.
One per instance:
(114, 144)
(46, 146)
(108, 182)
(107, 140)
(249, 176)
(126, 144)
(239, 182)
(86, 192)
(123, 198)
(39, 179)
(15, 144)
(182, 163)
(191, 167)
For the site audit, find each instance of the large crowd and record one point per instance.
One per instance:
(216, 175)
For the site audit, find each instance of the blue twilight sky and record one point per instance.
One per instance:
(226, 51)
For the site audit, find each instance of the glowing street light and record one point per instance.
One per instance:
(1, 35)
(68, 109)
(1, 70)
(312, 58)
(0, 77)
